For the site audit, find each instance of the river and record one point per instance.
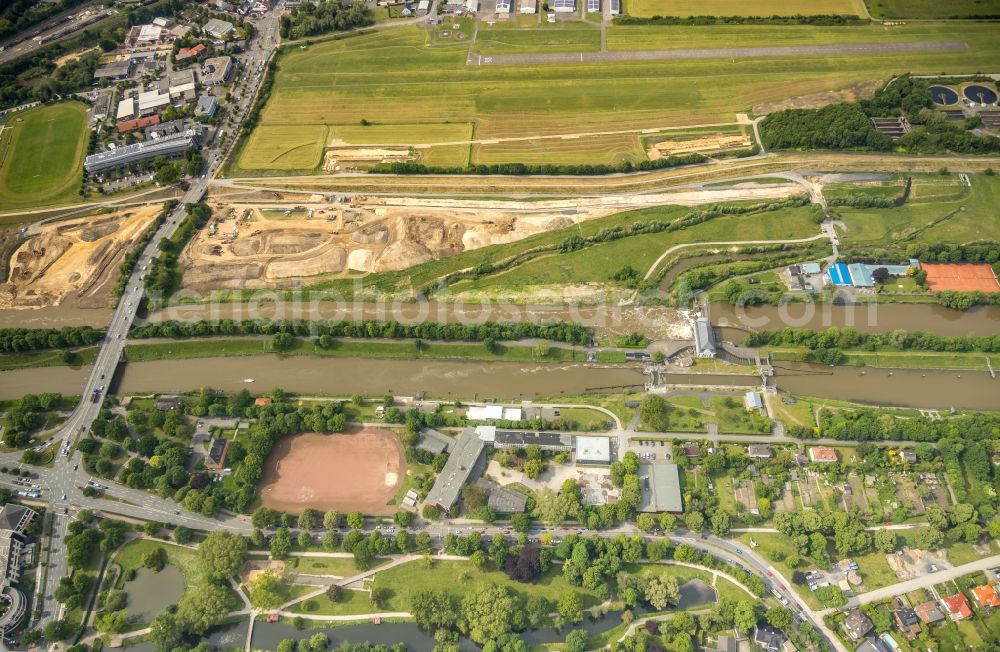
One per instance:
(451, 380)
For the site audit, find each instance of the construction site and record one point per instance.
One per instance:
(260, 245)
(72, 261)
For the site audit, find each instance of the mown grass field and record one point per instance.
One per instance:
(933, 214)
(647, 8)
(563, 36)
(41, 156)
(929, 9)
(395, 73)
(284, 147)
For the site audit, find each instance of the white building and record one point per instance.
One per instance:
(564, 6)
(126, 109)
(504, 6)
(218, 28)
(485, 413)
(704, 338)
(594, 6)
(592, 450)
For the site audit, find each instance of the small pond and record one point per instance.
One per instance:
(149, 594)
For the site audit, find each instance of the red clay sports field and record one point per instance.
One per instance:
(961, 277)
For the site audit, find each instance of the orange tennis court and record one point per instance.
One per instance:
(961, 277)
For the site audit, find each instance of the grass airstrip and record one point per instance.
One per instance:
(41, 155)
(409, 90)
(647, 8)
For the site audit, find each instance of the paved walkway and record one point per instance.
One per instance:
(720, 53)
(923, 581)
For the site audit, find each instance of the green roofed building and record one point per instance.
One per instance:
(661, 488)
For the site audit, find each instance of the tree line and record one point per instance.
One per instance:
(163, 277)
(19, 340)
(128, 263)
(851, 338)
(312, 19)
(523, 169)
(865, 424)
(486, 331)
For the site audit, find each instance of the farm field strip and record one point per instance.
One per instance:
(396, 74)
(648, 8)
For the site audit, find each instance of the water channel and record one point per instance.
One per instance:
(937, 389)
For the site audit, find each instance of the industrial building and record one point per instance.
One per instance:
(115, 71)
(122, 156)
(859, 275)
(592, 450)
(465, 461)
(216, 71)
(704, 338)
(217, 28)
(661, 488)
(14, 520)
(547, 441)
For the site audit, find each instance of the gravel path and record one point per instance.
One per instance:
(719, 53)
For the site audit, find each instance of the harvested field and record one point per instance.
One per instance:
(74, 260)
(697, 145)
(284, 147)
(961, 277)
(343, 472)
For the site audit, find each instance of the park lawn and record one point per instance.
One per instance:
(613, 402)
(690, 414)
(41, 155)
(929, 9)
(337, 566)
(586, 417)
(918, 360)
(351, 602)
(229, 347)
(392, 72)
(48, 358)
(284, 147)
(929, 219)
(647, 8)
(734, 418)
(727, 590)
(563, 36)
(598, 262)
(772, 545)
(963, 553)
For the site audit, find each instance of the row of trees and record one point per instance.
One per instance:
(163, 277)
(865, 424)
(523, 169)
(570, 333)
(851, 338)
(19, 340)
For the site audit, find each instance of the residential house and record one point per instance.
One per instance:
(822, 455)
(768, 638)
(957, 606)
(907, 620)
(262, 400)
(986, 596)
(217, 454)
(908, 456)
(929, 612)
(857, 624)
(759, 451)
(692, 450)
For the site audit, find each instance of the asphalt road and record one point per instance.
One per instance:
(718, 53)
(63, 483)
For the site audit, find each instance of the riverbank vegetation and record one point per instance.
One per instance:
(19, 340)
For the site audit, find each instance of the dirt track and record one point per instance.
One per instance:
(343, 472)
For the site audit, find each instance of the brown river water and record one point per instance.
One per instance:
(506, 380)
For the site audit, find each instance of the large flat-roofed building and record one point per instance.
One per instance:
(464, 461)
(484, 413)
(547, 441)
(14, 520)
(126, 109)
(218, 28)
(592, 450)
(704, 338)
(152, 102)
(661, 488)
(121, 156)
(216, 71)
(102, 104)
(115, 71)
(507, 501)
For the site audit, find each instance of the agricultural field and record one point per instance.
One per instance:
(928, 9)
(393, 75)
(41, 156)
(284, 147)
(648, 8)
(940, 208)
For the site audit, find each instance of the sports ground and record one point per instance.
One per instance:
(410, 91)
(966, 277)
(41, 155)
(359, 471)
